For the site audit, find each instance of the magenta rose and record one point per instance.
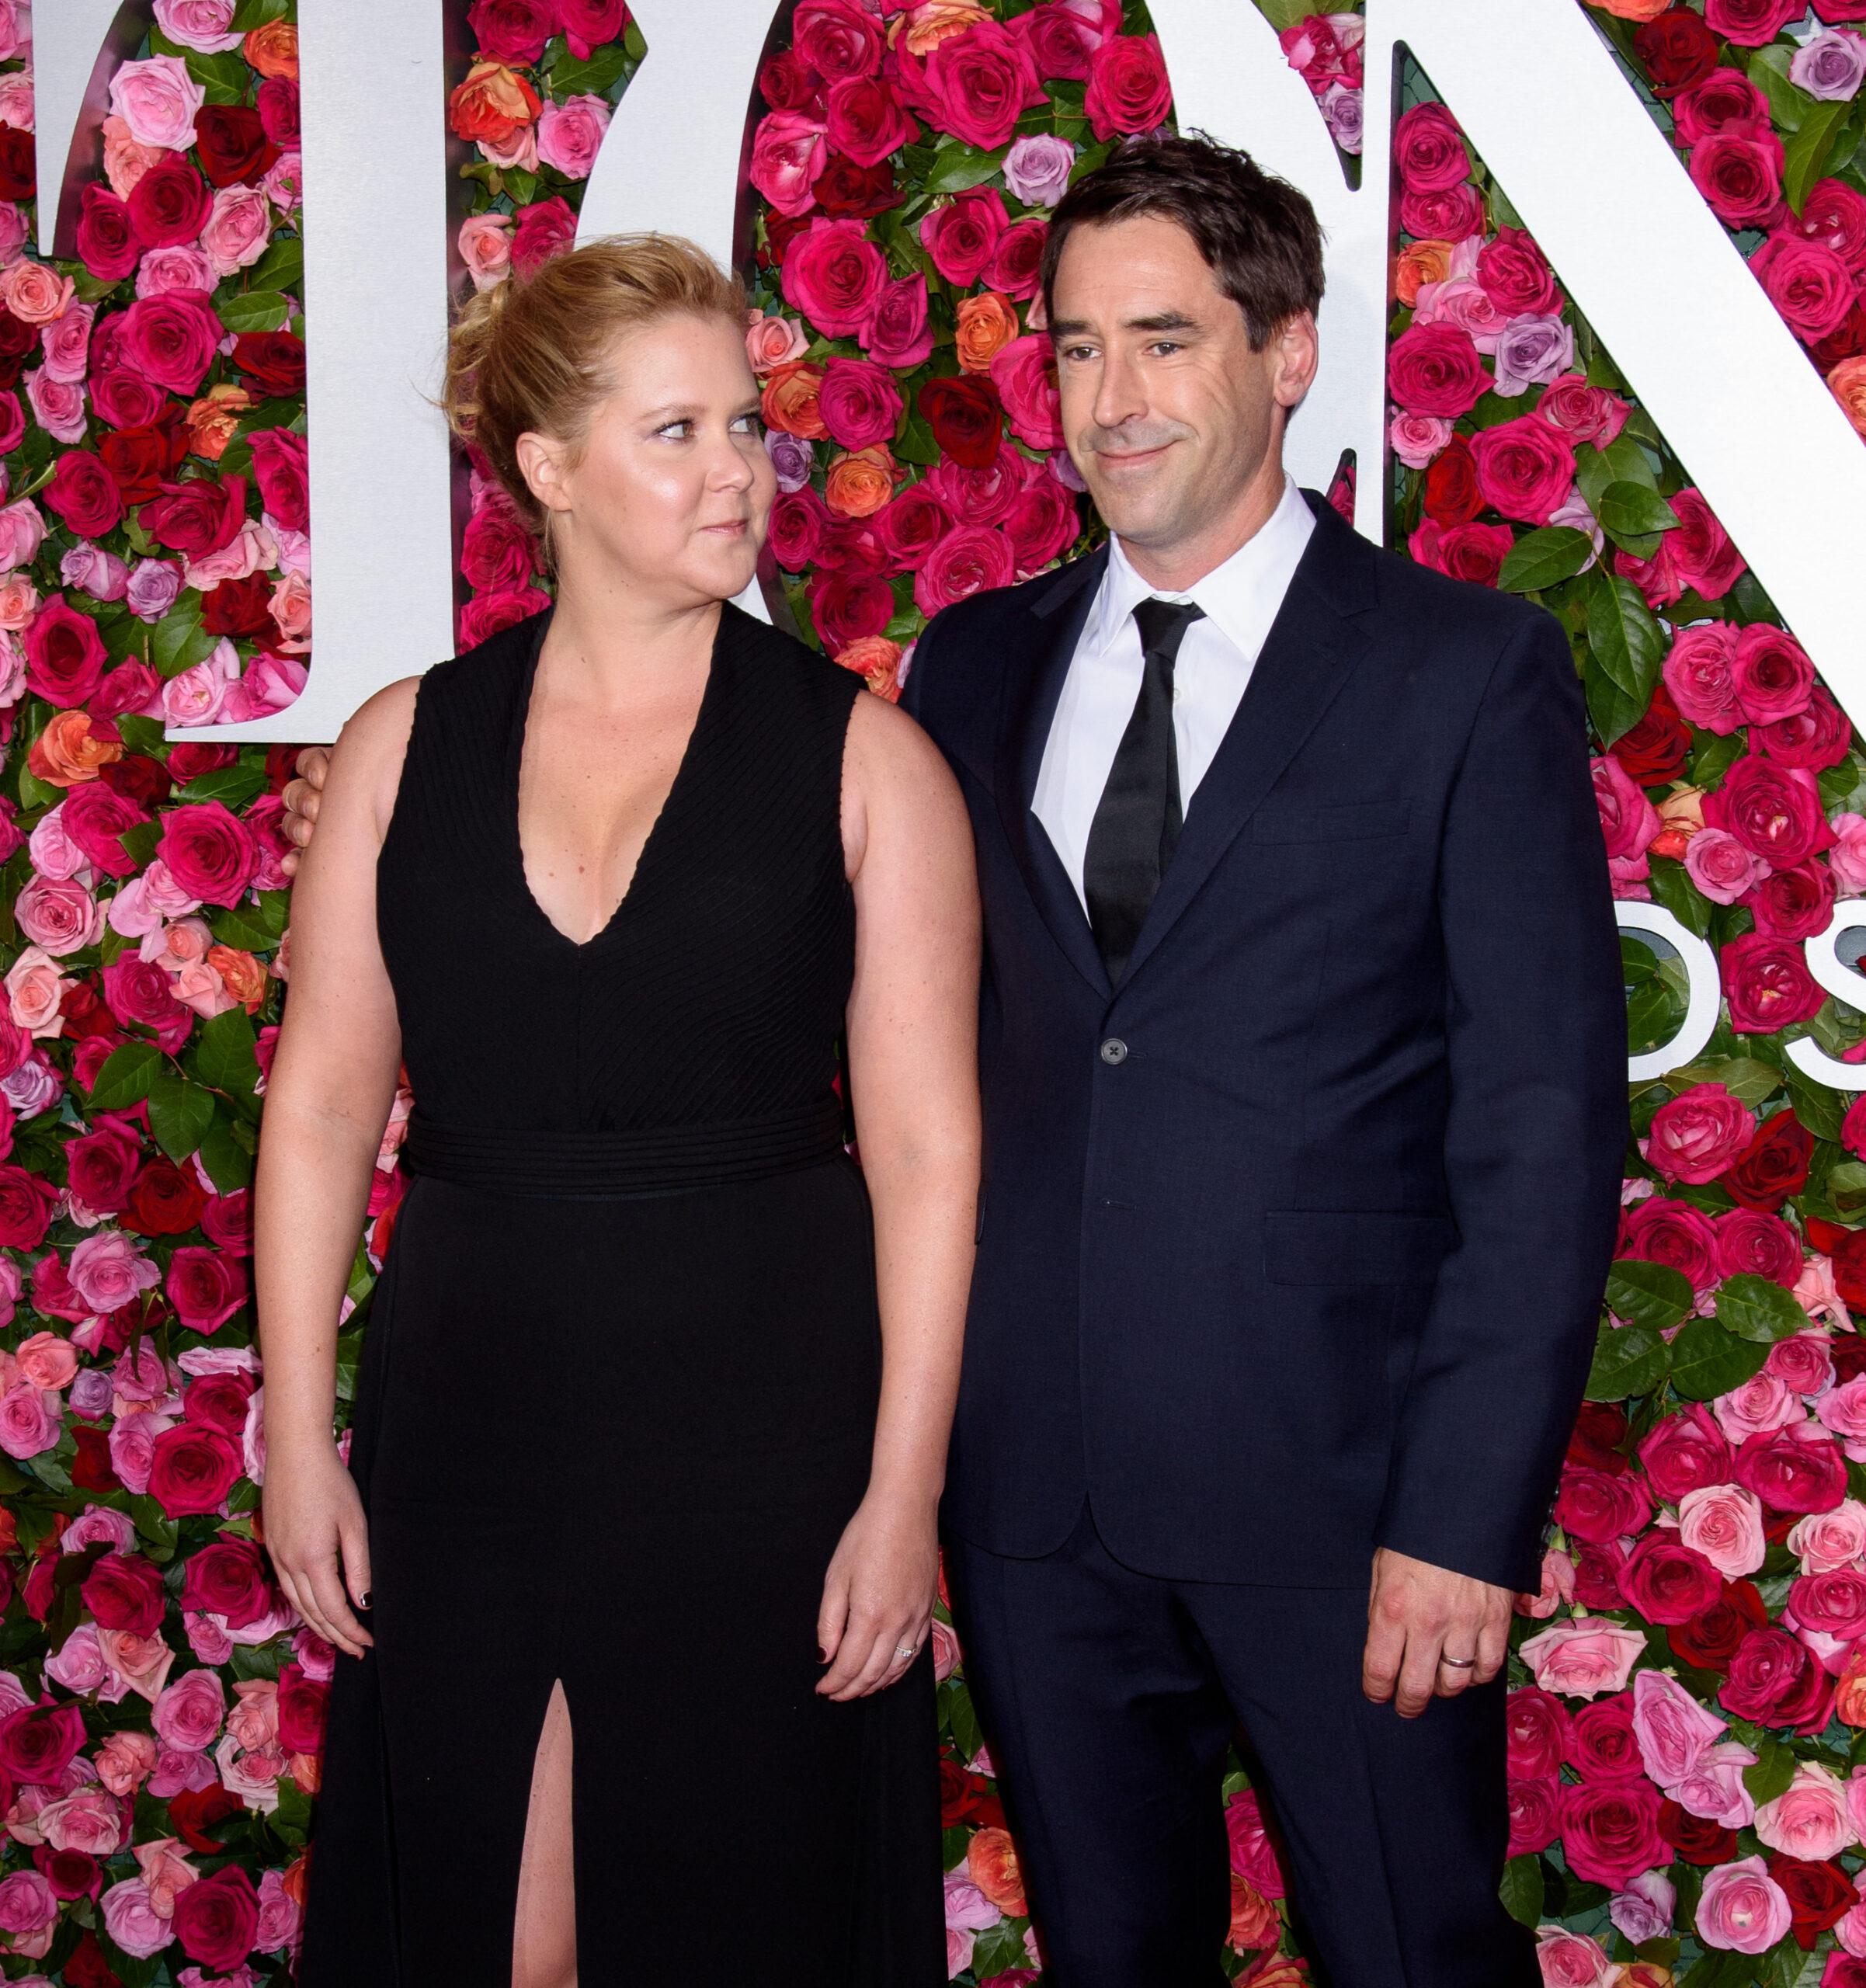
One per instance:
(1817, 737)
(124, 1591)
(976, 85)
(205, 1288)
(38, 1742)
(209, 853)
(1773, 1680)
(107, 245)
(1750, 1243)
(139, 993)
(64, 654)
(217, 1919)
(281, 468)
(1739, 172)
(897, 334)
(487, 614)
(1751, 23)
(1629, 823)
(909, 525)
(1684, 1451)
(1515, 276)
(1583, 413)
(973, 559)
(1658, 1231)
(303, 1703)
(960, 235)
(1789, 904)
(102, 1165)
(1771, 809)
(1043, 524)
(1832, 1603)
(1797, 1468)
(1016, 264)
(125, 399)
(228, 1579)
(1695, 1136)
(849, 607)
(1597, 1505)
(513, 32)
(1525, 468)
(1726, 100)
(1472, 551)
(1807, 282)
(1429, 150)
(837, 39)
(192, 1468)
(85, 493)
(1535, 1814)
(866, 122)
(1435, 370)
(1540, 1732)
(1771, 674)
(798, 520)
(834, 275)
(1609, 1830)
(1060, 42)
(1454, 215)
(787, 154)
(1767, 985)
(545, 229)
(171, 339)
(859, 402)
(1128, 90)
(1701, 673)
(1605, 1744)
(1835, 213)
(1666, 1581)
(1024, 372)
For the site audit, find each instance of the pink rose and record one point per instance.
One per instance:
(1724, 1523)
(29, 1423)
(788, 152)
(1628, 821)
(59, 914)
(238, 231)
(1253, 1856)
(570, 134)
(204, 25)
(1720, 866)
(27, 1903)
(1699, 672)
(1803, 1360)
(1847, 862)
(1572, 1960)
(1742, 1908)
(1830, 1604)
(1675, 1732)
(1842, 1409)
(960, 235)
(1583, 1658)
(1697, 1136)
(107, 1271)
(1024, 372)
(1525, 468)
(485, 247)
(158, 100)
(1751, 23)
(1434, 368)
(1809, 1819)
(835, 275)
(973, 559)
(131, 1920)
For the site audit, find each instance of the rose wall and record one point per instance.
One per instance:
(1688, 1718)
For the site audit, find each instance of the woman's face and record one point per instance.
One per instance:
(672, 492)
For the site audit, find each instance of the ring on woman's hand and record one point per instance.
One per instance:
(1459, 1663)
(908, 1649)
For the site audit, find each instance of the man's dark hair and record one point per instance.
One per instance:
(1259, 236)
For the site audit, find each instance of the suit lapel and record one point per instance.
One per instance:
(1311, 651)
(1027, 707)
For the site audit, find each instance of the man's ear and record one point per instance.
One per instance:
(1298, 352)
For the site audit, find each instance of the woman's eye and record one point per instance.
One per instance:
(678, 428)
(748, 424)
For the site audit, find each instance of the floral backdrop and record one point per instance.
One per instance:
(1688, 1714)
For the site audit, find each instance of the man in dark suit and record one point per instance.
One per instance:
(1304, 1065)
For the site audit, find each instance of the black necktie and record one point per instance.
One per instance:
(1137, 821)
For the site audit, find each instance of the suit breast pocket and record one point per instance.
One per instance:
(1358, 821)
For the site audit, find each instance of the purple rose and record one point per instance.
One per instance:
(792, 458)
(1037, 169)
(152, 587)
(1341, 105)
(1831, 66)
(93, 570)
(1533, 351)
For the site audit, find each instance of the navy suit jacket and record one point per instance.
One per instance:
(1294, 1245)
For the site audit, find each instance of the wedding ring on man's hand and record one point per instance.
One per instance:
(910, 1649)
(1460, 1663)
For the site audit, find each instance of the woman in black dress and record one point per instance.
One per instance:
(634, 1436)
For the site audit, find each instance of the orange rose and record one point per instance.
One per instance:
(991, 1865)
(1634, 10)
(860, 482)
(772, 341)
(241, 974)
(936, 21)
(273, 50)
(789, 400)
(1645, 1974)
(1850, 1701)
(877, 662)
(1280, 1974)
(1254, 1922)
(67, 753)
(987, 324)
(213, 418)
(1847, 385)
(10, 1533)
(494, 104)
(36, 293)
(1681, 815)
(1420, 262)
(296, 1883)
(307, 1771)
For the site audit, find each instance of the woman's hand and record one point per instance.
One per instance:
(314, 1527)
(878, 1595)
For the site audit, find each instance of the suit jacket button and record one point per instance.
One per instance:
(1114, 1051)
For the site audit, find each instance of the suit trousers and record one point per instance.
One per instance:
(1106, 1698)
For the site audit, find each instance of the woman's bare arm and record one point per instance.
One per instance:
(912, 1034)
(333, 1083)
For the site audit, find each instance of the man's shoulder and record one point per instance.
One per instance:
(971, 640)
(1410, 592)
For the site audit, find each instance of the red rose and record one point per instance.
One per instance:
(1429, 151)
(973, 559)
(196, 1810)
(1799, 1468)
(217, 1919)
(280, 467)
(1773, 1164)
(1609, 1830)
(84, 494)
(1449, 494)
(960, 235)
(241, 609)
(273, 361)
(1696, 1840)
(124, 1591)
(1599, 1505)
(1767, 982)
(1656, 748)
(1467, 552)
(1847, 338)
(786, 84)
(140, 458)
(1677, 49)
(205, 1288)
(1540, 1733)
(866, 122)
(1773, 1680)
(837, 39)
(1740, 174)
(965, 414)
(235, 145)
(228, 1579)
(106, 243)
(1605, 1746)
(1817, 738)
(64, 654)
(1059, 41)
(1666, 1581)
(1535, 1814)
(71, 1873)
(18, 170)
(1820, 1896)
(1525, 468)
(546, 228)
(976, 85)
(909, 525)
(38, 1742)
(302, 1703)
(165, 1201)
(193, 1468)
(844, 190)
(102, 1164)
(169, 205)
(16, 340)
(26, 1208)
(197, 517)
(798, 521)
(847, 606)
(1128, 90)
(965, 1797)
(1793, 904)
(835, 275)
(1435, 368)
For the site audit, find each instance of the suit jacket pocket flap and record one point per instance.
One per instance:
(1301, 822)
(1302, 1247)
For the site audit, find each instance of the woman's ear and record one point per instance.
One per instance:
(541, 461)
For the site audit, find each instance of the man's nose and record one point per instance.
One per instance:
(1117, 394)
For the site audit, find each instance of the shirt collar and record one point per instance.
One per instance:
(1241, 596)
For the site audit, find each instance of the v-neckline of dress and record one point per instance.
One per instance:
(514, 775)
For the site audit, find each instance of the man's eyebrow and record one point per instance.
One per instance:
(1159, 321)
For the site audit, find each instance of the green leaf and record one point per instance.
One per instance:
(250, 14)
(1717, 753)
(567, 77)
(1771, 1772)
(1545, 558)
(961, 167)
(179, 1114)
(228, 1162)
(35, 792)
(233, 787)
(178, 641)
(1754, 1308)
(1629, 1360)
(1821, 1111)
(1522, 1889)
(1745, 1077)
(249, 928)
(140, 843)
(1623, 634)
(224, 77)
(1653, 1294)
(282, 267)
(1634, 516)
(126, 1076)
(1671, 887)
(255, 311)
(1718, 1969)
(1807, 150)
(1613, 713)
(1788, 103)
(1707, 1362)
(223, 1058)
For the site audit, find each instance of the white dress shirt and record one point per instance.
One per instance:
(1216, 655)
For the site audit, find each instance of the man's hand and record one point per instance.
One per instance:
(1431, 1632)
(301, 798)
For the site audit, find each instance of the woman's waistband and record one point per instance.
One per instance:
(590, 1165)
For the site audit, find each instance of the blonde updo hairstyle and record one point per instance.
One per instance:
(532, 354)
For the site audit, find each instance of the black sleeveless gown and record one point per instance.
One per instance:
(619, 1386)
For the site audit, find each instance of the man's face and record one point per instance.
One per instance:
(1168, 413)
